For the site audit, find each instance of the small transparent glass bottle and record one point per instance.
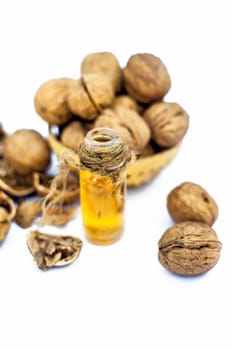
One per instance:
(103, 185)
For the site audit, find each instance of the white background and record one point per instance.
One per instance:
(120, 297)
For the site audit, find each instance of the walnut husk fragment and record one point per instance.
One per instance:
(191, 202)
(146, 78)
(14, 184)
(27, 151)
(7, 213)
(53, 250)
(168, 123)
(189, 248)
(26, 213)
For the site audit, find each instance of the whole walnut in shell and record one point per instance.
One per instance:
(189, 248)
(51, 100)
(72, 134)
(191, 202)
(90, 95)
(104, 63)
(146, 78)
(130, 125)
(27, 151)
(127, 102)
(168, 123)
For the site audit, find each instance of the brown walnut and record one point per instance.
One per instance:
(131, 126)
(168, 123)
(189, 248)
(191, 202)
(72, 134)
(104, 63)
(90, 95)
(51, 100)
(127, 102)
(146, 78)
(27, 151)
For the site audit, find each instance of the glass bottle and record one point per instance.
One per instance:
(103, 185)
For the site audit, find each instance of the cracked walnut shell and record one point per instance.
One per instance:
(104, 63)
(168, 123)
(53, 250)
(146, 78)
(189, 248)
(90, 95)
(191, 202)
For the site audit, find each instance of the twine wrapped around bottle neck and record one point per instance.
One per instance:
(103, 152)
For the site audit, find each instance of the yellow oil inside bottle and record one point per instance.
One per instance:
(102, 202)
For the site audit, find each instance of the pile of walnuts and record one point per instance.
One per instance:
(130, 100)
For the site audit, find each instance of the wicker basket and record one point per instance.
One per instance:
(138, 173)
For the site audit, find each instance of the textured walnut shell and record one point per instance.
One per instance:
(42, 183)
(127, 102)
(7, 213)
(131, 126)
(27, 151)
(189, 248)
(26, 212)
(90, 94)
(51, 250)
(191, 202)
(51, 100)
(72, 134)
(12, 183)
(104, 63)
(146, 78)
(168, 123)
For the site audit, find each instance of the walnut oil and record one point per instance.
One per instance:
(103, 185)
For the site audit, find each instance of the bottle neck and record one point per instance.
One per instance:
(103, 151)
